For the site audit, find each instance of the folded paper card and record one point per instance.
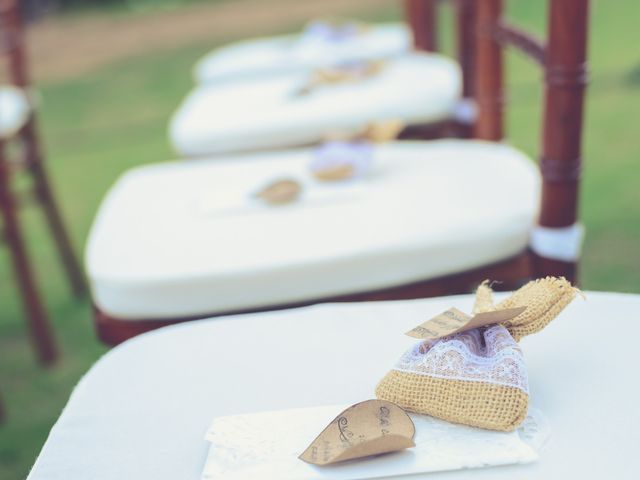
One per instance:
(267, 445)
(367, 428)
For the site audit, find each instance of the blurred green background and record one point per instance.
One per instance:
(106, 110)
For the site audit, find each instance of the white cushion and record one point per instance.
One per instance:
(252, 115)
(298, 53)
(14, 110)
(185, 238)
(142, 411)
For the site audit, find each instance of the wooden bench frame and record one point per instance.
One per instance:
(31, 160)
(563, 60)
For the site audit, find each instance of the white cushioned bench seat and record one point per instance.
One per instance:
(300, 52)
(268, 113)
(14, 110)
(185, 239)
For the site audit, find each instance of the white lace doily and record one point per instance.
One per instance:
(267, 445)
(535, 430)
(479, 355)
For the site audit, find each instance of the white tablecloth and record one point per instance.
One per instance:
(141, 412)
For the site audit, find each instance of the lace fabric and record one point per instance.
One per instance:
(488, 355)
(535, 430)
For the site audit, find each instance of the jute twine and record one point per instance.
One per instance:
(484, 298)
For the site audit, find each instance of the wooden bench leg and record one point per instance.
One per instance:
(52, 212)
(36, 316)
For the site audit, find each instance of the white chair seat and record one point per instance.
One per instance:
(299, 53)
(268, 113)
(184, 239)
(141, 412)
(14, 110)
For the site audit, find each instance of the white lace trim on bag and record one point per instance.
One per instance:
(480, 355)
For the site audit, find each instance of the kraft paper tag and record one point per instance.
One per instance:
(368, 428)
(454, 321)
(280, 192)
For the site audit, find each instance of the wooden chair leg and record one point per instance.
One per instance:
(38, 323)
(52, 213)
(422, 18)
(548, 267)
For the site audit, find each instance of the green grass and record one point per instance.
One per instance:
(125, 7)
(98, 125)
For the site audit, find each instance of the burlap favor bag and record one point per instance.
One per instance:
(477, 377)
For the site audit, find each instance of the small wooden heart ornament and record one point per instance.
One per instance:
(341, 74)
(339, 160)
(334, 172)
(367, 428)
(382, 131)
(348, 73)
(280, 192)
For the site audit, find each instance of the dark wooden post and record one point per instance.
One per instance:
(34, 159)
(489, 89)
(465, 50)
(12, 36)
(36, 315)
(560, 162)
(465, 28)
(421, 17)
